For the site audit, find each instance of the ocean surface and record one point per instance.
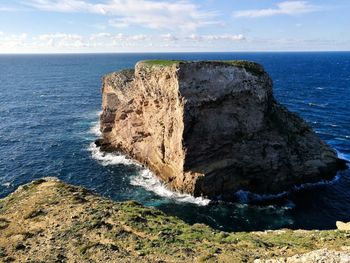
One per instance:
(49, 107)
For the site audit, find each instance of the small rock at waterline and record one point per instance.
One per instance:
(343, 226)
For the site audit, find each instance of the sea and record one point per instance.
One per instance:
(49, 113)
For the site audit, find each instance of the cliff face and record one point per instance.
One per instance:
(211, 128)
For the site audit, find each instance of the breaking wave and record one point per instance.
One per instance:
(145, 178)
(108, 158)
(247, 197)
(95, 129)
(150, 182)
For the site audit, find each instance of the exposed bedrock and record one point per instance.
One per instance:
(211, 128)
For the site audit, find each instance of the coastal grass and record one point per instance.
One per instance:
(161, 63)
(249, 66)
(58, 221)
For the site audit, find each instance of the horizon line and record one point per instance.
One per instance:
(171, 52)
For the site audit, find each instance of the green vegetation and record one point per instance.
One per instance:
(59, 221)
(251, 67)
(161, 63)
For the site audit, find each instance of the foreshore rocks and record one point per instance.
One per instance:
(211, 128)
(343, 226)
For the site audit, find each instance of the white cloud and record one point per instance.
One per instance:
(117, 23)
(59, 40)
(169, 37)
(226, 37)
(13, 37)
(282, 8)
(170, 15)
(12, 41)
(99, 35)
(139, 37)
(108, 42)
(62, 5)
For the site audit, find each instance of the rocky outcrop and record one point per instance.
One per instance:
(211, 128)
(343, 226)
(50, 221)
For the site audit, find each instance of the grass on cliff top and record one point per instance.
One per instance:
(62, 222)
(251, 67)
(161, 63)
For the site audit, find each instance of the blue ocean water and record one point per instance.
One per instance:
(49, 107)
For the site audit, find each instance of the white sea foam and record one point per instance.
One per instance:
(6, 184)
(324, 105)
(322, 182)
(247, 197)
(108, 158)
(343, 156)
(95, 129)
(150, 182)
(145, 178)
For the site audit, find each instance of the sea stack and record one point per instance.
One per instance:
(211, 128)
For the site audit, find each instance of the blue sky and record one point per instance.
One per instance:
(55, 26)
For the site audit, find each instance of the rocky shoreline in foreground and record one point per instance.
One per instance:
(51, 221)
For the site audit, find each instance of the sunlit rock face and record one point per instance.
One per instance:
(211, 128)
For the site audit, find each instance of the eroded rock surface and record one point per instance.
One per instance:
(211, 128)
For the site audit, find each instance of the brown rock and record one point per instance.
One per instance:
(211, 128)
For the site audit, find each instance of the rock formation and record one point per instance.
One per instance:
(211, 128)
(343, 226)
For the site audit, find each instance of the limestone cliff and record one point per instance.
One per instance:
(211, 128)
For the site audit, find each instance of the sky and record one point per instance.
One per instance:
(86, 26)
